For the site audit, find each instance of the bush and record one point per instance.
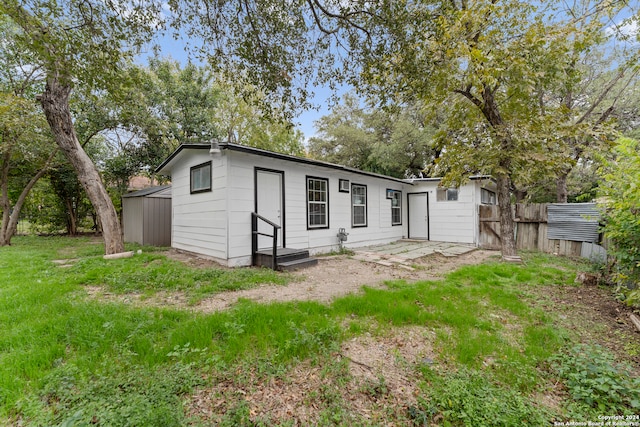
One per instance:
(469, 398)
(130, 396)
(620, 192)
(596, 382)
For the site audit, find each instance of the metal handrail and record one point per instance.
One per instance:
(254, 239)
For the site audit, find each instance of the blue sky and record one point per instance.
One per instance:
(304, 122)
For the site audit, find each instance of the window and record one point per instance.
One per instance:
(396, 206)
(447, 194)
(487, 197)
(201, 178)
(343, 185)
(317, 202)
(358, 205)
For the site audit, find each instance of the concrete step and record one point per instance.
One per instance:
(283, 255)
(297, 264)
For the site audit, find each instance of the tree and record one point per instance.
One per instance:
(596, 79)
(26, 150)
(81, 44)
(241, 120)
(395, 142)
(26, 146)
(621, 199)
(479, 64)
(483, 61)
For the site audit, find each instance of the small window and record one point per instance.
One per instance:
(487, 197)
(396, 206)
(317, 202)
(201, 178)
(358, 205)
(447, 194)
(343, 186)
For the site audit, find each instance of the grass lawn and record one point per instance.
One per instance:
(491, 344)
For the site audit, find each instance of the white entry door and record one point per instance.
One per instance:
(269, 204)
(418, 215)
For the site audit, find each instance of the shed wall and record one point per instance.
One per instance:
(132, 219)
(452, 221)
(157, 221)
(578, 222)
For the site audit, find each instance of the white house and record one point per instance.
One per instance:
(214, 195)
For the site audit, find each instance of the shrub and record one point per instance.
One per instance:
(620, 191)
(469, 398)
(596, 382)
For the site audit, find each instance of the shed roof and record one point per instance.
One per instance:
(158, 191)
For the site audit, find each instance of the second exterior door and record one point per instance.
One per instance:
(418, 215)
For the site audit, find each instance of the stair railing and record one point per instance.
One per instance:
(254, 239)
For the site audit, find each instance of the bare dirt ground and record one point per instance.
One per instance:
(335, 276)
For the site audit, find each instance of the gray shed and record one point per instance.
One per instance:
(146, 216)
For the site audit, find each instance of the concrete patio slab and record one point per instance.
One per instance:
(402, 252)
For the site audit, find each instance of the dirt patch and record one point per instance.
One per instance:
(373, 378)
(333, 277)
(336, 276)
(193, 260)
(158, 299)
(595, 315)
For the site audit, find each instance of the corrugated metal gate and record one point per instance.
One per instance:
(578, 222)
(565, 229)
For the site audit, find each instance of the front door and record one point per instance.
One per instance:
(418, 215)
(269, 204)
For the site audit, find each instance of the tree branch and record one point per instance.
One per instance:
(346, 17)
(602, 96)
(316, 18)
(467, 94)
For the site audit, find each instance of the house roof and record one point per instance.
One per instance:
(147, 191)
(165, 167)
(472, 177)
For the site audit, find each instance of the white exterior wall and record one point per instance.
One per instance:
(241, 204)
(451, 221)
(218, 223)
(200, 220)
(454, 221)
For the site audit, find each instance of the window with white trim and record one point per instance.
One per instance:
(200, 178)
(358, 205)
(317, 202)
(396, 206)
(447, 194)
(487, 197)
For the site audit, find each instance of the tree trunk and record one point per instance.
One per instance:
(507, 235)
(5, 204)
(561, 187)
(72, 227)
(55, 102)
(10, 222)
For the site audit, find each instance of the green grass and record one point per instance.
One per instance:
(69, 360)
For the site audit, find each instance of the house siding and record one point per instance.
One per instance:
(200, 220)
(217, 223)
(451, 221)
(241, 190)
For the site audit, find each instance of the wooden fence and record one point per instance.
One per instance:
(531, 230)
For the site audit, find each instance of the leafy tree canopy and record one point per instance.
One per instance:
(393, 141)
